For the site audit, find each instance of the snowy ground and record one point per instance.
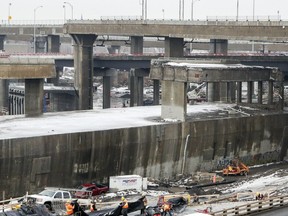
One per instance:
(268, 178)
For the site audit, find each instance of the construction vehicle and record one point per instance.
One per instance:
(235, 167)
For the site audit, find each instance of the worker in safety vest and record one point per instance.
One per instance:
(166, 209)
(124, 205)
(69, 208)
(93, 206)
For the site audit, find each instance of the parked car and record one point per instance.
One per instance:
(48, 196)
(90, 189)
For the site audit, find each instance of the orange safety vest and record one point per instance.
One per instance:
(166, 207)
(69, 209)
(125, 206)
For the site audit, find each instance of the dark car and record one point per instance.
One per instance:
(90, 189)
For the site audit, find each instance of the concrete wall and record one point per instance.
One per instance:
(66, 160)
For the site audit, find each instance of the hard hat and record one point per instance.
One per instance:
(144, 194)
(122, 198)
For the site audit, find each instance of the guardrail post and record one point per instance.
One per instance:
(236, 211)
(260, 205)
(271, 203)
(281, 201)
(248, 208)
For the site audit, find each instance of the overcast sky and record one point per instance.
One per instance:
(94, 9)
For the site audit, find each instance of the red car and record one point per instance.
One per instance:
(90, 189)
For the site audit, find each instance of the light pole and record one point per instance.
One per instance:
(192, 8)
(237, 10)
(180, 9)
(34, 28)
(163, 12)
(9, 16)
(183, 9)
(71, 8)
(253, 10)
(64, 8)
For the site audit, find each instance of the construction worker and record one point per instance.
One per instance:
(93, 206)
(69, 208)
(166, 209)
(124, 205)
(144, 200)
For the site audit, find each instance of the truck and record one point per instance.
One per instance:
(91, 190)
(236, 167)
(50, 195)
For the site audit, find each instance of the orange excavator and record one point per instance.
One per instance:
(236, 167)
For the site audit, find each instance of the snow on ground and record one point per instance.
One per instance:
(273, 181)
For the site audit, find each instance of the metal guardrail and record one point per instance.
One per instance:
(253, 207)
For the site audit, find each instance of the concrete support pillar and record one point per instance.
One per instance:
(34, 94)
(2, 39)
(239, 92)
(53, 44)
(231, 92)
(136, 87)
(156, 92)
(218, 46)
(83, 64)
(174, 47)
(217, 92)
(174, 100)
(270, 92)
(136, 45)
(210, 92)
(249, 91)
(260, 92)
(4, 92)
(114, 49)
(106, 92)
(41, 42)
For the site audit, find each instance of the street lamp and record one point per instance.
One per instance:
(237, 10)
(9, 16)
(192, 8)
(34, 28)
(163, 11)
(64, 13)
(71, 8)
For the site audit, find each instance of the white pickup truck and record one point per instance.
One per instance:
(48, 196)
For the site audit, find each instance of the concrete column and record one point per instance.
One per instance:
(53, 44)
(270, 92)
(260, 92)
(2, 39)
(114, 49)
(106, 92)
(174, 100)
(231, 92)
(210, 92)
(218, 46)
(136, 45)
(34, 94)
(174, 47)
(41, 44)
(239, 92)
(217, 92)
(83, 64)
(4, 92)
(156, 92)
(136, 86)
(249, 91)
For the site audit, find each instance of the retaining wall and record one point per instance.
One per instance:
(67, 160)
